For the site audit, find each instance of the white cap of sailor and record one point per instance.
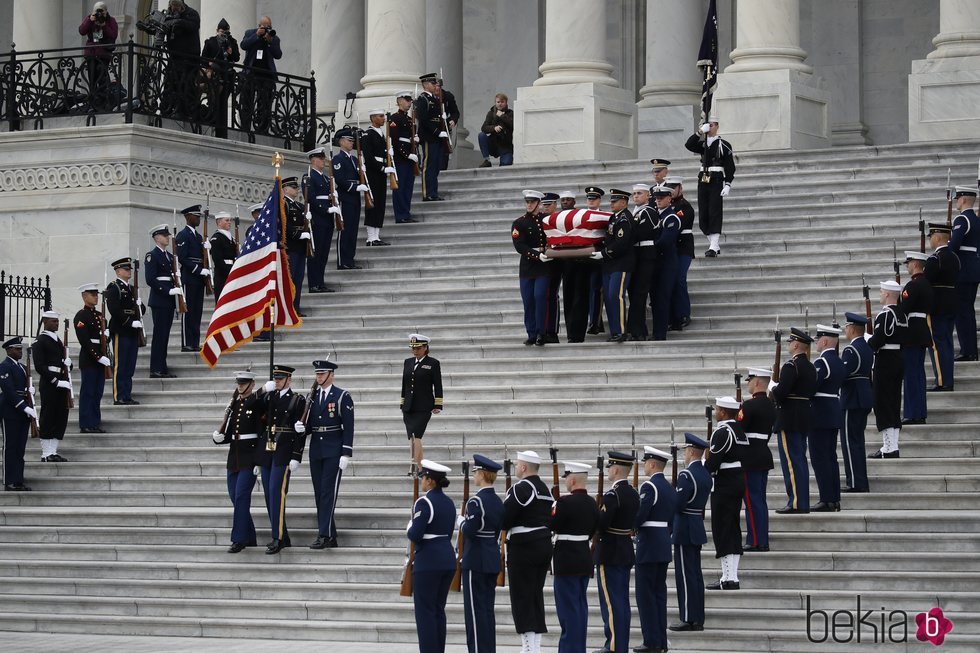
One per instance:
(575, 468)
(915, 256)
(641, 188)
(50, 315)
(255, 207)
(727, 402)
(566, 195)
(433, 469)
(655, 454)
(824, 330)
(762, 372)
(89, 287)
(222, 215)
(529, 457)
(890, 286)
(376, 112)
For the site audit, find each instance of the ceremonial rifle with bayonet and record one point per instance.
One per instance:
(502, 576)
(869, 327)
(456, 583)
(205, 253)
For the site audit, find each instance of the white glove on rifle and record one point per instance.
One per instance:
(705, 128)
(293, 464)
(217, 437)
(389, 170)
(300, 427)
(207, 245)
(256, 470)
(460, 520)
(305, 235)
(867, 336)
(391, 151)
(30, 412)
(596, 255)
(205, 272)
(140, 302)
(361, 188)
(443, 134)
(726, 190)
(176, 291)
(64, 384)
(270, 386)
(543, 258)
(335, 210)
(414, 157)
(772, 384)
(415, 138)
(30, 389)
(137, 324)
(104, 360)
(67, 362)
(106, 333)
(344, 461)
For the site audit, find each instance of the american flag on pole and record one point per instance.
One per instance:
(259, 276)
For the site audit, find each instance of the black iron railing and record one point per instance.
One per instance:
(21, 301)
(198, 94)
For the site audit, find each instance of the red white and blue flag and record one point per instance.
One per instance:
(575, 227)
(259, 277)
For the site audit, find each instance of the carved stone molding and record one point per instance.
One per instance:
(61, 177)
(195, 183)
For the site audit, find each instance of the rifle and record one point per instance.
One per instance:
(836, 326)
(447, 142)
(455, 584)
(238, 222)
(406, 588)
(636, 463)
(502, 576)
(205, 257)
(708, 414)
(224, 422)
(415, 149)
(898, 269)
(140, 333)
(29, 399)
(922, 232)
(869, 327)
(175, 270)
(555, 490)
(949, 200)
(738, 382)
(338, 220)
(368, 197)
(309, 403)
(392, 176)
(308, 217)
(673, 455)
(599, 462)
(70, 401)
(103, 341)
(777, 334)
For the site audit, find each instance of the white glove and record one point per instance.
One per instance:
(543, 258)
(30, 412)
(389, 170)
(772, 384)
(336, 196)
(414, 157)
(256, 470)
(293, 465)
(867, 336)
(140, 302)
(416, 139)
(176, 291)
(596, 255)
(361, 188)
(335, 210)
(106, 333)
(344, 461)
(207, 245)
(705, 128)
(205, 272)
(104, 360)
(391, 151)
(137, 324)
(309, 216)
(299, 426)
(217, 437)
(270, 386)
(67, 362)
(64, 384)
(30, 389)
(726, 190)
(460, 520)
(443, 134)
(305, 235)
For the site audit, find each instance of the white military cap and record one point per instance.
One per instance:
(915, 256)
(244, 375)
(316, 151)
(376, 112)
(643, 188)
(417, 340)
(654, 453)
(88, 287)
(764, 372)
(255, 207)
(824, 330)
(160, 229)
(576, 468)
(434, 469)
(727, 402)
(674, 181)
(50, 315)
(890, 286)
(965, 190)
(533, 195)
(222, 215)
(408, 94)
(529, 457)
(713, 118)
(566, 194)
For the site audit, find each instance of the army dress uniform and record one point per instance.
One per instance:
(421, 390)
(400, 132)
(297, 235)
(530, 243)
(856, 400)
(618, 259)
(964, 242)
(665, 268)
(887, 373)
(190, 256)
(346, 179)
(90, 330)
(794, 413)
(916, 303)
(125, 325)
(654, 519)
(680, 303)
(693, 491)
(727, 446)
(428, 117)
(645, 228)
(614, 555)
(480, 564)
(319, 199)
(53, 366)
(575, 518)
(942, 270)
(757, 416)
(223, 252)
(826, 423)
(16, 413)
(159, 268)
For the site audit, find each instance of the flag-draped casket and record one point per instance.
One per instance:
(574, 232)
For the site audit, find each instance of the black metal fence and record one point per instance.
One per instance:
(21, 301)
(138, 80)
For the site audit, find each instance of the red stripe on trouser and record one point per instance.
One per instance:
(749, 515)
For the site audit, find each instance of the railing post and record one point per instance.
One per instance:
(12, 123)
(3, 306)
(309, 142)
(47, 292)
(130, 78)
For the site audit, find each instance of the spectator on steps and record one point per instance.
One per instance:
(497, 134)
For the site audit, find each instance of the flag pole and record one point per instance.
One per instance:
(277, 160)
(272, 337)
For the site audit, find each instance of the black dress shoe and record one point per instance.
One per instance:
(301, 314)
(713, 586)
(826, 506)
(648, 649)
(686, 321)
(57, 458)
(321, 289)
(529, 341)
(620, 338)
(730, 585)
(575, 340)
(963, 358)
(430, 199)
(755, 549)
(789, 510)
(683, 626)
(275, 547)
(539, 341)
(406, 221)
(131, 402)
(119, 403)
(332, 543)
(236, 547)
(320, 543)
(188, 350)
(551, 338)
(162, 375)
(350, 267)
(857, 490)
(16, 487)
(940, 388)
(595, 330)
(675, 327)
(908, 421)
(710, 253)
(381, 243)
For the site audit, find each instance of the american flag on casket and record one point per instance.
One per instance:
(575, 228)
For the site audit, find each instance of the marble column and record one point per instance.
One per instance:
(838, 24)
(575, 110)
(769, 98)
(395, 34)
(337, 54)
(670, 98)
(944, 88)
(38, 24)
(240, 15)
(445, 55)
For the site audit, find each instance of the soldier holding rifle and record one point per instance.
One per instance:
(855, 401)
(19, 415)
(93, 359)
(401, 128)
(942, 270)
(321, 199)
(693, 489)
(432, 134)
(53, 365)
(347, 183)
(827, 418)
(224, 251)
(726, 449)
(297, 236)
(196, 276)
(916, 304)
(757, 417)
(886, 380)
(375, 148)
(964, 242)
(164, 290)
(792, 387)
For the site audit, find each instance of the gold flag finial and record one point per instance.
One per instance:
(277, 160)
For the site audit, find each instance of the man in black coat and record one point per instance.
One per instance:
(680, 303)
(428, 118)
(618, 258)
(916, 304)
(374, 147)
(714, 180)
(887, 336)
(421, 392)
(497, 133)
(52, 364)
(451, 110)
(757, 417)
(724, 462)
(91, 333)
(181, 37)
(221, 50)
(224, 251)
(942, 270)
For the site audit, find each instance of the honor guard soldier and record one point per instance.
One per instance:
(431, 529)
(160, 277)
(942, 270)
(614, 554)
(428, 118)
(693, 489)
(190, 255)
(826, 421)
(566, 200)
(792, 393)
(17, 411)
(346, 179)
(916, 304)
(527, 520)
(480, 525)
(285, 438)
(125, 328)
(240, 431)
(549, 205)
(645, 228)
(574, 520)
(714, 180)
(658, 507)
(375, 150)
(92, 335)
(421, 391)
(593, 202)
(451, 112)
(322, 211)
(757, 417)
(888, 370)
(661, 168)
(529, 241)
(724, 462)
(331, 428)
(618, 258)
(680, 303)
(665, 268)
(856, 400)
(53, 365)
(297, 235)
(401, 132)
(223, 251)
(964, 242)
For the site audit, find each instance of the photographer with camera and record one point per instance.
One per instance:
(221, 50)
(261, 46)
(100, 31)
(179, 34)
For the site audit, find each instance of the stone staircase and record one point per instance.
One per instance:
(129, 537)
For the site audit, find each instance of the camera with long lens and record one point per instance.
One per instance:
(153, 22)
(100, 16)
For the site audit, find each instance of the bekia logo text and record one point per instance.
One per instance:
(874, 626)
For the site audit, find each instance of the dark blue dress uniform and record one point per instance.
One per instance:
(757, 417)
(331, 428)
(223, 253)
(717, 170)
(529, 241)
(190, 253)
(916, 303)
(645, 228)
(886, 378)
(431, 529)
(421, 393)
(527, 520)
(693, 491)
(158, 266)
(428, 117)
(727, 446)
(317, 191)
(680, 304)
(618, 259)
(89, 327)
(964, 242)
(346, 180)
(654, 518)
(49, 353)
(574, 521)
(16, 423)
(942, 270)
(295, 243)
(796, 387)
(123, 309)
(826, 424)
(400, 132)
(614, 557)
(665, 271)
(480, 564)
(856, 400)
(245, 452)
(283, 410)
